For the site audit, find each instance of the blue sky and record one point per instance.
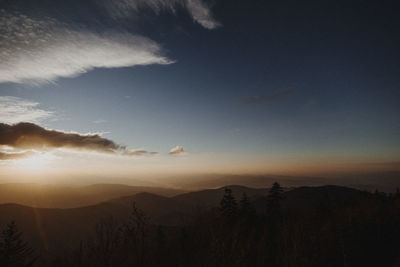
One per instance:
(250, 81)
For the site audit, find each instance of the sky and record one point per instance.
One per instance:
(135, 88)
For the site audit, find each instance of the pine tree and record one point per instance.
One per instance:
(274, 217)
(274, 201)
(246, 208)
(14, 251)
(228, 205)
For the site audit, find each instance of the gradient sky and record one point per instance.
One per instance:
(233, 86)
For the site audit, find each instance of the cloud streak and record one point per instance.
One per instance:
(41, 51)
(18, 155)
(15, 109)
(40, 48)
(139, 152)
(202, 14)
(198, 10)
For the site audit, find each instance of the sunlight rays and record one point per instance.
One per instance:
(35, 163)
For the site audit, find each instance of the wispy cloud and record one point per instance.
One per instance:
(42, 49)
(139, 152)
(198, 9)
(16, 155)
(15, 109)
(267, 98)
(202, 14)
(178, 150)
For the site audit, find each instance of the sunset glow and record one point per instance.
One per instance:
(216, 133)
(35, 163)
(112, 94)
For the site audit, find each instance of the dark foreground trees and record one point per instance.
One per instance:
(14, 251)
(272, 230)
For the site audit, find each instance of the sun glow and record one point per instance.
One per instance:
(37, 162)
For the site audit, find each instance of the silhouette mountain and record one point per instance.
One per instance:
(62, 196)
(54, 230)
(212, 197)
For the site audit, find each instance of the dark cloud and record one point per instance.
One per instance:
(26, 135)
(19, 155)
(138, 152)
(267, 98)
(178, 150)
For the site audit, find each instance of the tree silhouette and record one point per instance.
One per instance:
(106, 241)
(246, 207)
(274, 199)
(317, 227)
(228, 205)
(274, 216)
(14, 251)
(136, 232)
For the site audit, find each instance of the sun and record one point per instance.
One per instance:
(35, 162)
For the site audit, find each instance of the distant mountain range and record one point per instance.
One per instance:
(73, 196)
(56, 229)
(69, 196)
